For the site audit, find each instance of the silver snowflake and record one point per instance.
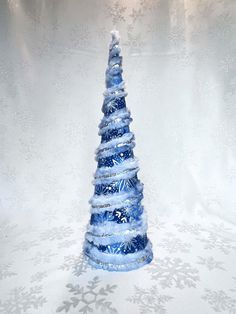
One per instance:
(116, 12)
(134, 42)
(210, 263)
(42, 257)
(111, 106)
(76, 263)
(21, 300)
(220, 301)
(173, 271)
(173, 245)
(66, 244)
(156, 224)
(136, 14)
(25, 245)
(149, 300)
(89, 298)
(218, 241)
(220, 228)
(39, 276)
(56, 233)
(129, 245)
(5, 271)
(187, 227)
(79, 36)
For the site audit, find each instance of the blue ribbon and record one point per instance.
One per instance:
(116, 186)
(114, 133)
(118, 215)
(136, 244)
(112, 160)
(117, 103)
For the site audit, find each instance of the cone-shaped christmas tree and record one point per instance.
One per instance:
(116, 237)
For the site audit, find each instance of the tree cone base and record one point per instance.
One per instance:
(95, 263)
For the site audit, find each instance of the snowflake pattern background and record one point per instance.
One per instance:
(48, 277)
(179, 64)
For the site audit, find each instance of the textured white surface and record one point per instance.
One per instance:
(43, 271)
(179, 68)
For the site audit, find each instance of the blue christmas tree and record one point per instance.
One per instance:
(116, 237)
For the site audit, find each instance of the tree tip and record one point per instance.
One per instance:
(115, 35)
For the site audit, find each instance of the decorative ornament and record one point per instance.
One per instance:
(116, 237)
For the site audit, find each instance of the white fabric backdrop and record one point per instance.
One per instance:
(179, 68)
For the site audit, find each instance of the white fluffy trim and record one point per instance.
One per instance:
(109, 148)
(116, 198)
(113, 150)
(120, 113)
(126, 174)
(126, 164)
(124, 236)
(111, 227)
(118, 258)
(124, 138)
(116, 124)
(114, 92)
(96, 264)
(126, 203)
